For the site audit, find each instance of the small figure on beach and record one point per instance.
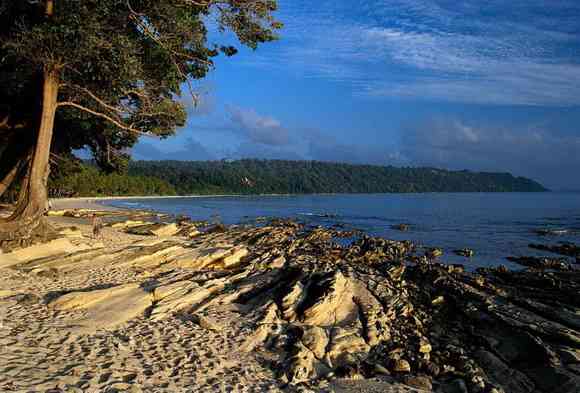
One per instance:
(97, 224)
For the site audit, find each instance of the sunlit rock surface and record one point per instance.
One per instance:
(298, 309)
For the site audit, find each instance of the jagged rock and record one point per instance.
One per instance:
(555, 379)
(420, 382)
(424, 346)
(401, 366)
(510, 380)
(292, 301)
(234, 257)
(316, 340)
(401, 227)
(334, 305)
(320, 309)
(346, 346)
(569, 355)
(567, 249)
(465, 252)
(542, 263)
(434, 253)
(217, 228)
(219, 256)
(380, 370)
(456, 386)
(190, 232)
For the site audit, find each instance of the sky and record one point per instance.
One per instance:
(481, 85)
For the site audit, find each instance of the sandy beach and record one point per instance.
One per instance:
(82, 203)
(153, 306)
(42, 348)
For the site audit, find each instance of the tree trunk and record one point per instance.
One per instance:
(9, 178)
(14, 163)
(27, 221)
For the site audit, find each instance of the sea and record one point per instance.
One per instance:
(494, 225)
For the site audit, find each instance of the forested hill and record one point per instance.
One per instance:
(274, 177)
(297, 177)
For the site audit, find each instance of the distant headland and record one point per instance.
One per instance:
(252, 176)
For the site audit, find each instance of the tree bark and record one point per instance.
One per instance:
(27, 221)
(14, 159)
(9, 178)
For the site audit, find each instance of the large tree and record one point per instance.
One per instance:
(100, 74)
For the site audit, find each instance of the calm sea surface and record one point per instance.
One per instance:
(494, 225)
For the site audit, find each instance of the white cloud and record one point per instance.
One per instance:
(258, 128)
(532, 151)
(493, 52)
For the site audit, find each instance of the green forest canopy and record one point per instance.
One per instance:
(252, 176)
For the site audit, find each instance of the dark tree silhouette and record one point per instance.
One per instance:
(100, 74)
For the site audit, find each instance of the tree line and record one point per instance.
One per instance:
(252, 176)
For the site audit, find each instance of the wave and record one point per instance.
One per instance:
(321, 215)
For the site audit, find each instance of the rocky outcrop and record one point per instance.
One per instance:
(465, 252)
(160, 229)
(542, 262)
(567, 249)
(321, 311)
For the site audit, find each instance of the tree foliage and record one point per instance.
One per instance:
(88, 181)
(294, 177)
(99, 74)
(121, 64)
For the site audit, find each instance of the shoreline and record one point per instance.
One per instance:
(93, 202)
(375, 312)
(130, 197)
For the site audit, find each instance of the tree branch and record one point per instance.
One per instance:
(97, 99)
(117, 123)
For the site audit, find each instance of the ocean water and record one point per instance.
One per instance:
(495, 225)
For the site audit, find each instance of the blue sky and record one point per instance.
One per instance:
(483, 85)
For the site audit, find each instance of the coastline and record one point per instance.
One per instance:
(198, 289)
(95, 202)
(81, 203)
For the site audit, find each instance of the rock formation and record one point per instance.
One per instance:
(321, 310)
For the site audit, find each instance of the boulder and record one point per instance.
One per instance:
(434, 253)
(465, 252)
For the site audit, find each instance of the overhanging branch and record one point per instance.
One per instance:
(110, 119)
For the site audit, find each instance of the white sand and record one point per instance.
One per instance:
(43, 348)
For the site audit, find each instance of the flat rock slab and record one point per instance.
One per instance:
(161, 229)
(54, 247)
(106, 308)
